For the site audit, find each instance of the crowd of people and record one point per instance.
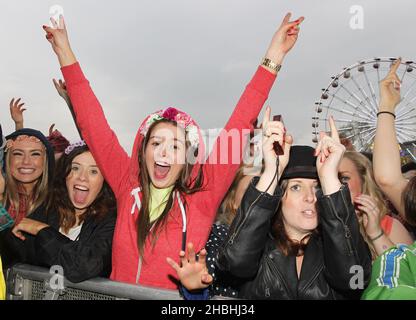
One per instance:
(171, 215)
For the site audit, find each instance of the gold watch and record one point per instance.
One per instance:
(270, 64)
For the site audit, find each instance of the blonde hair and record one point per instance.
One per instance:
(228, 208)
(39, 193)
(368, 187)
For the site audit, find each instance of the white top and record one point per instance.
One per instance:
(73, 232)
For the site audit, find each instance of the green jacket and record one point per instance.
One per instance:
(394, 275)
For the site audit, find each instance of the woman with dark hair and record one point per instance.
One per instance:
(167, 192)
(277, 245)
(75, 228)
(277, 248)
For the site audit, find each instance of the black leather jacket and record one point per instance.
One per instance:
(250, 253)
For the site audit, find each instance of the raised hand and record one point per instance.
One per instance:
(284, 39)
(274, 131)
(371, 214)
(58, 38)
(329, 152)
(192, 273)
(390, 89)
(16, 112)
(61, 88)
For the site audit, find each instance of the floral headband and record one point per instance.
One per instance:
(10, 143)
(74, 145)
(181, 118)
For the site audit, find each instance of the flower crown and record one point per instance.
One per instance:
(10, 143)
(74, 145)
(181, 118)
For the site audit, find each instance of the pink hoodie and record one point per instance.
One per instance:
(122, 173)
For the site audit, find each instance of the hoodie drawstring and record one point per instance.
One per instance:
(137, 203)
(181, 206)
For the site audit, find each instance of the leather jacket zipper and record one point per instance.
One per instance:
(231, 241)
(347, 232)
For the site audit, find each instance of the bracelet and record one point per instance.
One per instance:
(379, 236)
(388, 112)
(270, 64)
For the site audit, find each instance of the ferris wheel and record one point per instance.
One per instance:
(352, 98)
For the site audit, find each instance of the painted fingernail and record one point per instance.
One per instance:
(44, 27)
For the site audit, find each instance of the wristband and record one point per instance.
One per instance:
(377, 237)
(387, 112)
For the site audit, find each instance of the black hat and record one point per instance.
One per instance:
(302, 163)
(42, 138)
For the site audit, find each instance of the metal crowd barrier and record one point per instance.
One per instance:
(27, 282)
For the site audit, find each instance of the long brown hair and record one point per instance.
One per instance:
(228, 209)
(60, 202)
(286, 245)
(368, 187)
(39, 193)
(183, 185)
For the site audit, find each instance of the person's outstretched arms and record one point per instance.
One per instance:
(16, 112)
(90, 119)
(386, 155)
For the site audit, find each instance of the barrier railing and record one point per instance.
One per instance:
(27, 282)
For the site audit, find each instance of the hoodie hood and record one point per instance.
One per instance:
(45, 142)
(193, 135)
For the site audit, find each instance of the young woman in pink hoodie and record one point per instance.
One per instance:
(164, 198)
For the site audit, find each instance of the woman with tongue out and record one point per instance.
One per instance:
(165, 197)
(74, 229)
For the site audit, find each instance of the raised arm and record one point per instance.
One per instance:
(386, 155)
(61, 89)
(221, 174)
(16, 112)
(241, 252)
(344, 247)
(89, 116)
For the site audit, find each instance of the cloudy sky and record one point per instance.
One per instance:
(197, 55)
